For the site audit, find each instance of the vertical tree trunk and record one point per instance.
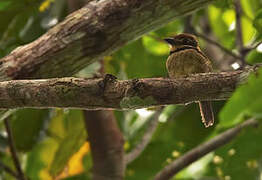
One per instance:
(106, 143)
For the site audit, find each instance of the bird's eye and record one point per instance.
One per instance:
(186, 41)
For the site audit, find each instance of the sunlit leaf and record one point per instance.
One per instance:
(75, 164)
(248, 30)
(45, 5)
(221, 27)
(229, 17)
(71, 142)
(155, 46)
(40, 158)
(249, 7)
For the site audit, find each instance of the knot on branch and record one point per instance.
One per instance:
(137, 86)
(108, 78)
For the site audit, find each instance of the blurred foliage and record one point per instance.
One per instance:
(65, 135)
(52, 143)
(26, 125)
(245, 103)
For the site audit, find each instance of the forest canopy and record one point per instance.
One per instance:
(106, 43)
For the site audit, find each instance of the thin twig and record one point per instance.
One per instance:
(239, 34)
(255, 46)
(13, 150)
(229, 52)
(151, 127)
(201, 150)
(8, 170)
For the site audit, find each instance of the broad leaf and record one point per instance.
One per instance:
(245, 102)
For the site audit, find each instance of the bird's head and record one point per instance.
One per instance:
(181, 40)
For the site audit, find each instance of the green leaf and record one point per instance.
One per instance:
(40, 158)
(75, 137)
(50, 156)
(155, 46)
(4, 5)
(82, 176)
(254, 57)
(223, 4)
(246, 101)
(137, 62)
(257, 23)
(248, 30)
(248, 7)
(26, 125)
(218, 19)
(228, 16)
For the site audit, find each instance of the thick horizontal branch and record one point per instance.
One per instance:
(96, 30)
(110, 93)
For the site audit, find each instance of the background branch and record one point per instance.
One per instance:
(109, 93)
(201, 150)
(239, 34)
(8, 170)
(139, 148)
(227, 51)
(17, 164)
(106, 143)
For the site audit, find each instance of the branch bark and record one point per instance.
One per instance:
(86, 35)
(106, 140)
(109, 93)
(201, 150)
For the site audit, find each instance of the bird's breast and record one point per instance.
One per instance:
(187, 62)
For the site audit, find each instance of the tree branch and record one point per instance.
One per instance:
(20, 173)
(227, 51)
(139, 148)
(8, 170)
(109, 93)
(239, 34)
(201, 150)
(86, 35)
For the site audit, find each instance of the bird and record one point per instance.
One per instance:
(186, 58)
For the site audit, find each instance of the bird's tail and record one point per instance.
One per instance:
(206, 112)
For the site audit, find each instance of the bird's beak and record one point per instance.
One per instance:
(170, 41)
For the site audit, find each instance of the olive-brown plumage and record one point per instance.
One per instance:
(186, 58)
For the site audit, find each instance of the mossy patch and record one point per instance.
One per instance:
(137, 102)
